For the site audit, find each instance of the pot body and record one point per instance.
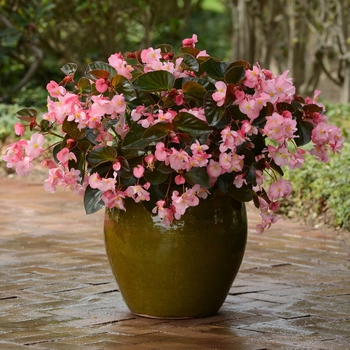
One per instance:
(181, 271)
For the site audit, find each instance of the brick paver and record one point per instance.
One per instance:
(57, 291)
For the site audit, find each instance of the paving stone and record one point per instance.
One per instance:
(57, 290)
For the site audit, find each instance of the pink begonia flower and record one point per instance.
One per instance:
(121, 66)
(101, 85)
(279, 189)
(219, 96)
(64, 156)
(166, 215)
(138, 171)
(179, 180)
(138, 193)
(19, 129)
(114, 199)
(24, 166)
(150, 55)
(214, 169)
(56, 175)
(190, 42)
(239, 181)
(252, 77)
(118, 103)
(33, 148)
(137, 113)
(160, 152)
(55, 90)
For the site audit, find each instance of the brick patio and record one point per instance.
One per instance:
(57, 291)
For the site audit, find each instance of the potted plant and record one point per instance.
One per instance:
(173, 146)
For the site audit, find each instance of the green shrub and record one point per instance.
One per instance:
(321, 192)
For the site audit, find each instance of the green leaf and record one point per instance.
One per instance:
(71, 128)
(212, 112)
(27, 114)
(198, 176)
(133, 139)
(215, 69)
(101, 155)
(155, 177)
(122, 86)
(190, 124)
(194, 89)
(69, 69)
(235, 75)
(189, 62)
(98, 69)
(157, 131)
(243, 194)
(84, 86)
(166, 48)
(304, 131)
(155, 81)
(92, 200)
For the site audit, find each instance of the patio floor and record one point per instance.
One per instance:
(57, 290)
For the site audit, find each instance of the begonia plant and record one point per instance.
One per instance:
(170, 131)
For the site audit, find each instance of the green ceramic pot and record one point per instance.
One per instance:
(182, 271)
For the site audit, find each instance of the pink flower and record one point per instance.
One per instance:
(214, 169)
(219, 96)
(55, 90)
(280, 189)
(64, 156)
(101, 85)
(33, 148)
(160, 153)
(19, 129)
(190, 42)
(166, 215)
(138, 171)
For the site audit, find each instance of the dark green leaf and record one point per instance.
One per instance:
(198, 176)
(69, 69)
(194, 89)
(156, 194)
(190, 124)
(189, 62)
(215, 69)
(157, 131)
(101, 155)
(98, 69)
(133, 139)
(92, 200)
(123, 86)
(71, 128)
(212, 112)
(84, 85)
(235, 75)
(155, 81)
(27, 114)
(45, 125)
(155, 177)
(304, 132)
(165, 48)
(243, 194)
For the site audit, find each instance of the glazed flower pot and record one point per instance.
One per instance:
(181, 271)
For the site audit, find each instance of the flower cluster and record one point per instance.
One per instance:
(170, 131)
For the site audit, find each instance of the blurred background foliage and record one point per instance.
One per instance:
(310, 38)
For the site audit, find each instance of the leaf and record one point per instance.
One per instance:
(243, 194)
(69, 69)
(198, 176)
(122, 86)
(304, 131)
(155, 81)
(212, 112)
(194, 89)
(157, 131)
(156, 194)
(190, 50)
(27, 114)
(101, 155)
(84, 86)
(215, 69)
(189, 62)
(98, 69)
(71, 128)
(190, 124)
(166, 48)
(155, 177)
(235, 75)
(92, 200)
(133, 139)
